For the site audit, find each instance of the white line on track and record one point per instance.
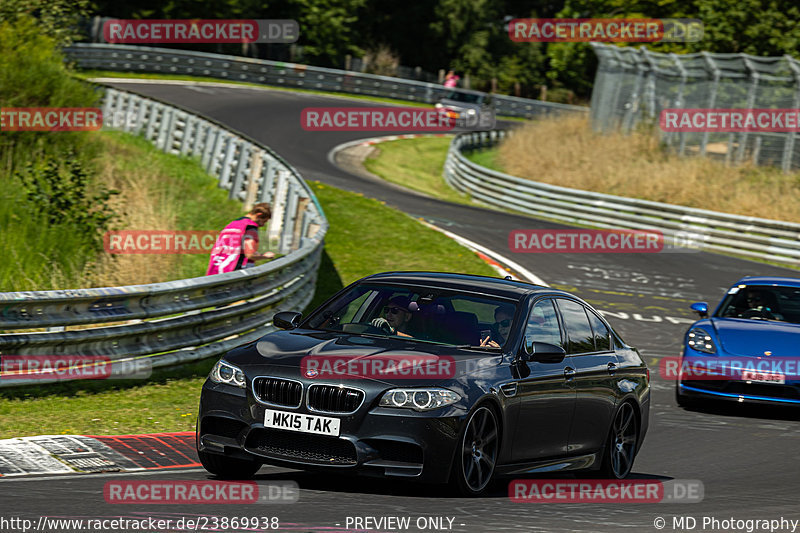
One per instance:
(99, 475)
(519, 269)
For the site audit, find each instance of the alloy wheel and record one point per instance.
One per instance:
(479, 450)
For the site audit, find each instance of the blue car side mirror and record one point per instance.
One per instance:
(701, 308)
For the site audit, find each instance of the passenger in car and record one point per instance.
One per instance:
(501, 327)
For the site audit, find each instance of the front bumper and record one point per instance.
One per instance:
(741, 392)
(373, 440)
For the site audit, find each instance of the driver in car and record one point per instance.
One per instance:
(397, 317)
(757, 306)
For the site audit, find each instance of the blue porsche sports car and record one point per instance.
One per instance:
(749, 349)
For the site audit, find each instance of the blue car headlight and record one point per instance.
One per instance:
(419, 399)
(227, 373)
(700, 340)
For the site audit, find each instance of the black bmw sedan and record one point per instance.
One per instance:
(430, 376)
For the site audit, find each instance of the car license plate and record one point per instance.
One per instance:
(763, 377)
(303, 423)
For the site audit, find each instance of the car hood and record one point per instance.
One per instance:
(456, 105)
(289, 348)
(752, 338)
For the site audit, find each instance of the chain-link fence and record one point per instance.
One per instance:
(633, 86)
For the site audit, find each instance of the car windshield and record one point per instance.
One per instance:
(762, 302)
(467, 98)
(430, 315)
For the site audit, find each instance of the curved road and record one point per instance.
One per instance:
(746, 458)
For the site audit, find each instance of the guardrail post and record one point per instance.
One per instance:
(241, 170)
(289, 218)
(172, 126)
(212, 137)
(199, 134)
(155, 111)
(189, 130)
(268, 181)
(225, 170)
(279, 208)
(216, 153)
(301, 214)
(253, 178)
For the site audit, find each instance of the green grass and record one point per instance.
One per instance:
(88, 74)
(364, 237)
(485, 158)
(166, 402)
(416, 164)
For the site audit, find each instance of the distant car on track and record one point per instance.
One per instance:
(434, 377)
(748, 349)
(469, 109)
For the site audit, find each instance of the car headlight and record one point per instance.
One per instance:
(471, 112)
(227, 373)
(419, 399)
(698, 339)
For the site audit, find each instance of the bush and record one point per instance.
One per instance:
(60, 192)
(381, 61)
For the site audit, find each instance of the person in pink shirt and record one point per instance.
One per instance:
(451, 80)
(237, 244)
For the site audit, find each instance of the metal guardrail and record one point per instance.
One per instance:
(170, 61)
(189, 319)
(773, 240)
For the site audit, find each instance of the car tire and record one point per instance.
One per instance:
(622, 443)
(477, 449)
(228, 467)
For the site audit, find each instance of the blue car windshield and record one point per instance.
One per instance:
(762, 302)
(430, 315)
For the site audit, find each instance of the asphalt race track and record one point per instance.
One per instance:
(745, 458)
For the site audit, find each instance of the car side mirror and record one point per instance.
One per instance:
(701, 308)
(544, 352)
(287, 319)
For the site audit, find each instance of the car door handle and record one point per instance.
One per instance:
(612, 368)
(569, 373)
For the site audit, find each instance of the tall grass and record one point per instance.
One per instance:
(566, 152)
(157, 192)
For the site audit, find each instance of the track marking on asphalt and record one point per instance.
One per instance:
(98, 475)
(521, 270)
